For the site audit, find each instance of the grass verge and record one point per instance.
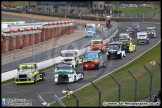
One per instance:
(6, 20)
(88, 96)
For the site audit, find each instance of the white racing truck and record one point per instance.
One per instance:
(151, 32)
(70, 56)
(114, 50)
(90, 30)
(142, 38)
(66, 73)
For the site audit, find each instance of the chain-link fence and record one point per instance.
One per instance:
(134, 85)
(53, 52)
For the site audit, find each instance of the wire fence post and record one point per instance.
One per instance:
(136, 85)
(158, 64)
(119, 87)
(77, 100)
(151, 75)
(98, 92)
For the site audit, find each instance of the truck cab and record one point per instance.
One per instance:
(142, 38)
(93, 60)
(66, 73)
(151, 31)
(114, 50)
(97, 45)
(70, 56)
(28, 73)
(90, 30)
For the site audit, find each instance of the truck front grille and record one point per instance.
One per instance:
(22, 79)
(62, 78)
(22, 76)
(68, 60)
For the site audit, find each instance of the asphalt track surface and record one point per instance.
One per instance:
(48, 88)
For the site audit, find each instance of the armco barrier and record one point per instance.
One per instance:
(7, 10)
(92, 18)
(47, 63)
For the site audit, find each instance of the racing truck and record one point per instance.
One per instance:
(114, 50)
(124, 36)
(128, 45)
(142, 38)
(97, 45)
(93, 60)
(151, 31)
(66, 73)
(115, 39)
(28, 73)
(70, 56)
(130, 31)
(108, 21)
(136, 27)
(90, 30)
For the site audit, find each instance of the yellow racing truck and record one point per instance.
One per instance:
(28, 73)
(128, 45)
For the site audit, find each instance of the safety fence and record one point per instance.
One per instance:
(54, 52)
(137, 84)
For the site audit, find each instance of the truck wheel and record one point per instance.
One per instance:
(82, 75)
(84, 68)
(108, 57)
(98, 66)
(43, 76)
(147, 42)
(104, 64)
(74, 79)
(121, 56)
(35, 78)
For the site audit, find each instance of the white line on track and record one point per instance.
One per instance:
(13, 92)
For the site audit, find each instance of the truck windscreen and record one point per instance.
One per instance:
(89, 28)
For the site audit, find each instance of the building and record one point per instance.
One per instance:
(84, 7)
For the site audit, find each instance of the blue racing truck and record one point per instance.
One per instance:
(90, 30)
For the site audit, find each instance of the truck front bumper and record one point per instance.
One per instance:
(25, 80)
(142, 41)
(90, 65)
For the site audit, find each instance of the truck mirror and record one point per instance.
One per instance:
(85, 26)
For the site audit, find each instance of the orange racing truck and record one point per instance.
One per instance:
(97, 45)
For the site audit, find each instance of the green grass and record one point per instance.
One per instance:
(18, 3)
(88, 95)
(6, 20)
(148, 12)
